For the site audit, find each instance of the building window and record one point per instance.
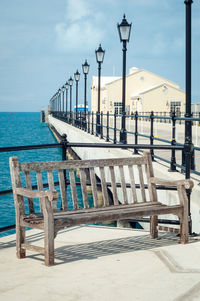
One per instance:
(117, 107)
(175, 106)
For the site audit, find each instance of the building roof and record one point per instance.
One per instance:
(104, 80)
(153, 88)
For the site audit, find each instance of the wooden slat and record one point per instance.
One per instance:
(62, 189)
(132, 180)
(94, 186)
(104, 187)
(142, 183)
(29, 186)
(33, 248)
(123, 184)
(51, 186)
(149, 174)
(39, 166)
(50, 180)
(39, 184)
(83, 187)
(116, 214)
(73, 188)
(114, 188)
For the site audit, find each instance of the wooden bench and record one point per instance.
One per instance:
(38, 208)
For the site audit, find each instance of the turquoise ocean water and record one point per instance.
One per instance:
(18, 129)
(21, 129)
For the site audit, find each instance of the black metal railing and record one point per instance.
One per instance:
(109, 130)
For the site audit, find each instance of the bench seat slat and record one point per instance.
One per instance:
(117, 214)
(112, 212)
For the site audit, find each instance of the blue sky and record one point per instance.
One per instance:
(44, 42)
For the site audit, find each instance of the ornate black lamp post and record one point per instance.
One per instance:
(85, 68)
(63, 101)
(59, 95)
(124, 29)
(188, 146)
(66, 96)
(99, 57)
(76, 77)
(70, 85)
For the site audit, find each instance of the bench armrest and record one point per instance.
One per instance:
(52, 195)
(188, 184)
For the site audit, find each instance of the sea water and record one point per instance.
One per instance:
(18, 129)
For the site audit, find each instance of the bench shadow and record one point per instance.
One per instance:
(94, 250)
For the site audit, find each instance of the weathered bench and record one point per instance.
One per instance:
(38, 208)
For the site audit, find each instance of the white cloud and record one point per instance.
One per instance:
(77, 9)
(81, 29)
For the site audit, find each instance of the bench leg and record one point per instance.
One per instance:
(184, 228)
(49, 239)
(20, 239)
(154, 226)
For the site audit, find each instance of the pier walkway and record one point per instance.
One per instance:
(102, 263)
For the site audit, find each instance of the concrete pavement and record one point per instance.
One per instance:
(103, 263)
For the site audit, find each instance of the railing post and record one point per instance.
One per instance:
(115, 124)
(64, 146)
(92, 123)
(136, 131)
(101, 126)
(152, 135)
(173, 142)
(88, 127)
(107, 127)
(97, 125)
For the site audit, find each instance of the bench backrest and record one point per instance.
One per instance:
(133, 170)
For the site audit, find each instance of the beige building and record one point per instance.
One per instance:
(145, 92)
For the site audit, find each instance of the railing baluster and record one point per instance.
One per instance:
(92, 123)
(151, 135)
(107, 136)
(115, 124)
(136, 131)
(173, 142)
(101, 126)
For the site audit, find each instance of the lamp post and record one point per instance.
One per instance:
(76, 77)
(85, 68)
(59, 101)
(66, 96)
(188, 146)
(70, 85)
(63, 101)
(124, 29)
(99, 57)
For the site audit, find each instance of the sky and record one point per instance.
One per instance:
(44, 42)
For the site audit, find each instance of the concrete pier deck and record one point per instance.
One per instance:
(96, 263)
